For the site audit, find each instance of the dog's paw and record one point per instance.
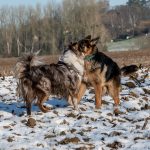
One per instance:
(119, 111)
(76, 112)
(44, 108)
(97, 110)
(47, 108)
(97, 107)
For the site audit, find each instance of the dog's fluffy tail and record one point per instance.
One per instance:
(24, 64)
(23, 74)
(127, 70)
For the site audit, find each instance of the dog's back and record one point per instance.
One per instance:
(113, 69)
(54, 78)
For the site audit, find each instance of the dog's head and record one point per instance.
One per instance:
(74, 47)
(87, 46)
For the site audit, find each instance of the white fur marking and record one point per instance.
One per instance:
(71, 58)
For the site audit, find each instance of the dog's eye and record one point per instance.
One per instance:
(82, 46)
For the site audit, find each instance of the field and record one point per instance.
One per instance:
(87, 129)
(136, 43)
(122, 58)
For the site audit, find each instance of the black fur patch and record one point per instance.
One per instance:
(129, 69)
(100, 60)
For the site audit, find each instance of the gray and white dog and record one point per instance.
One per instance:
(38, 80)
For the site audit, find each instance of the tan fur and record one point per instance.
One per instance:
(96, 78)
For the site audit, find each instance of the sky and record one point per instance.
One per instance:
(117, 2)
(33, 2)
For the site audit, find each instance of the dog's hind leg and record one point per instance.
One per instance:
(114, 93)
(28, 106)
(41, 99)
(117, 102)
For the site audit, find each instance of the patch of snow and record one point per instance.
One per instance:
(89, 128)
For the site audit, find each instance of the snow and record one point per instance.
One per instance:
(65, 128)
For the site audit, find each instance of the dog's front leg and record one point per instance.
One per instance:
(70, 102)
(98, 95)
(74, 102)
(81, 91)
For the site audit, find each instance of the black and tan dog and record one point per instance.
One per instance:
(101, 72)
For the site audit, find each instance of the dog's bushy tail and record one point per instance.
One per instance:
(23, 74)
(127, 70)
(25, 63)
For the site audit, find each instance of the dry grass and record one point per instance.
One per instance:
(131, 57)
(145, 23)
(7, 64)
(122, 58)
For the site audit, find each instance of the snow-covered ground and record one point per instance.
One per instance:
(62, 128)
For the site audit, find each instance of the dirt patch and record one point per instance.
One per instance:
(122, 58)
(70, 140)
(131, 57)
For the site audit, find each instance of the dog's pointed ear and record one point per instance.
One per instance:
(87, 37)
(74, 46)
(70, 45)
(94, 41)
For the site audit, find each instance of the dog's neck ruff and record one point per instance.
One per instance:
(70, 67)
(89, 57)
(71, 59)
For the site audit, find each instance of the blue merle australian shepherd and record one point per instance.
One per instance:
(38, 80)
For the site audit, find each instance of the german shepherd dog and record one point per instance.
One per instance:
(101, 72)
(38, 80)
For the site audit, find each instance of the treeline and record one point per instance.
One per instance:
(51, 27)
(128, 20)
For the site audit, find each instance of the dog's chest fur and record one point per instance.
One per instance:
(71, 59)
(94, 75)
